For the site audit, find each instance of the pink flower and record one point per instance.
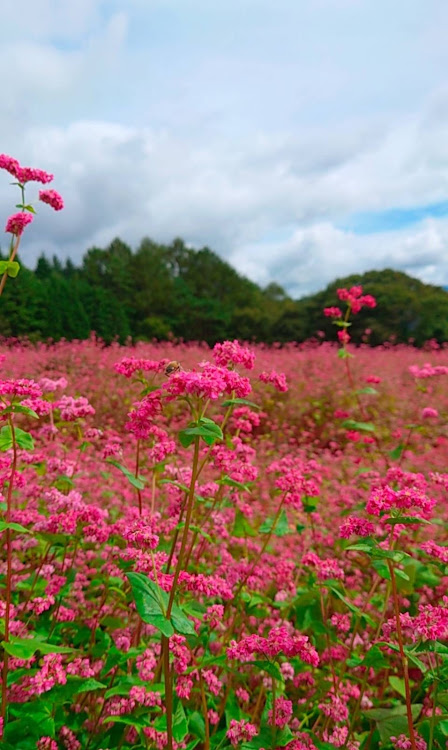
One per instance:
(232, 353)
(17, 222)
(429, 413)
(404, 743)
(129, 365)
(283, 712)
(68, 739)
(74, 408)
(29, 174)
(279, 640)
(278, 380)
(10, 164)
(359, 526)
(343, 337)
(241, 731)
(210, 383)
(20, 387)
(332, 312)
(46, 743)
(52, 198)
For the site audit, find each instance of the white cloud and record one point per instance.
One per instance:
(232, 124)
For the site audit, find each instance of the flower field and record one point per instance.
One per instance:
(232, 547)
(215, 548)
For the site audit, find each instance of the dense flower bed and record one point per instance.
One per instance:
(237, 547)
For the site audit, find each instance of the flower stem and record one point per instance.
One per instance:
(8, 569)
(188, 514)
(403, 656)
(11, 258)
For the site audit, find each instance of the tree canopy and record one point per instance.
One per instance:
(173, 291)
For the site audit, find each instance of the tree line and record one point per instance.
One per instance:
(173, 291)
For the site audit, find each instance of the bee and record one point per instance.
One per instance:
(172, 367)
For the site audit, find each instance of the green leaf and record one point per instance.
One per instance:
(352, 607)
(368, 390)
(392, 721)
(281, 527)
(242, 527)
(270, 667)
(13, 527)
(20, 409)
(240, 402)
(13, 268)
(406, 520)
(352, 424)
(206, 428)
(180, 726)
(397, 452)
(344, 354)
(397, 683)
(151, 605)
(341, 323)
(375, 658)
(23, 439)
(184, 439)
(310, 503)
(137, 481)
(181, 623)
(196, 724)
(131, 721)
(229, 482)
(25, 648)
(88, 685)
(265, 738)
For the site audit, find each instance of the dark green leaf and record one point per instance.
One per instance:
(13, 527)
(151, 605)
(240, 402)
(351, 424)
(281, 527)
(137, 481)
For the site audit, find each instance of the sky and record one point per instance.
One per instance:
(301, 140)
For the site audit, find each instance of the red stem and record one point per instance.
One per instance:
(8, 569)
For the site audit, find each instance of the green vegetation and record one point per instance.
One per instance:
(162, 291)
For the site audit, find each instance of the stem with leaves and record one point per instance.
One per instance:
(8, 567)
(404, 659)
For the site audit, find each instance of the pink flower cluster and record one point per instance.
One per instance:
(325, 569)
(428, 370)
(240, 731)
(24, 174)
(51, 673)
(332, 312)
(74, 408)
(279, 641)
(128, 366)
(385, 498)
(231, 353)
(51, 198)
(283, 712)
(17, 222)
(404, 743)
(359, 526)
(278, 380)
(355, 298)
(20, 387)
(211, 382)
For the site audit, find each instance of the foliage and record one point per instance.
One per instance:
(162, 291)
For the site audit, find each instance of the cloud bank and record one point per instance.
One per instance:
(301, 144)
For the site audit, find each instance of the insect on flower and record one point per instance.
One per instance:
(172, 367)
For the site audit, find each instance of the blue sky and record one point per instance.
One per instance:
(300, 139)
